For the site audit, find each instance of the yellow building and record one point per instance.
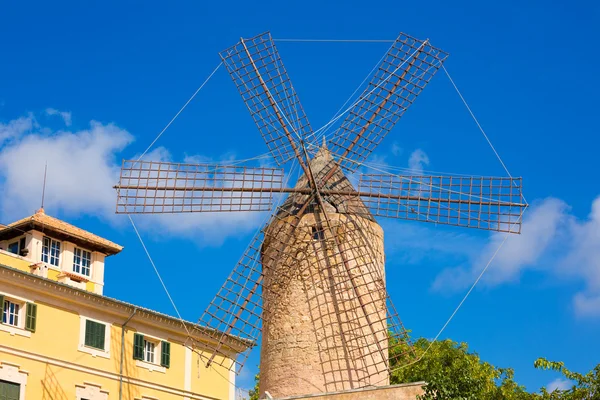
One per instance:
(61, 339)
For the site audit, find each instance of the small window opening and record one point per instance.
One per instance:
(14, 248)
(317, 234)
(18, 247)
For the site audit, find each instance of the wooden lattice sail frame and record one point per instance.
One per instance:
(342, 236)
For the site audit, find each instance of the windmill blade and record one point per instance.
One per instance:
(147, 187)
(262, 80)
(490, 203)
(236, 311)
(400, 77)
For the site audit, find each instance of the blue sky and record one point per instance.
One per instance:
(83, 85)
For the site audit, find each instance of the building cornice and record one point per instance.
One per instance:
(118, 308)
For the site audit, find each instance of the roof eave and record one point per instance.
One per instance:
(18, 228)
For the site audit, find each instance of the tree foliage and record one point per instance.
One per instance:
(584, 386)
(452, 372)
(254, 393)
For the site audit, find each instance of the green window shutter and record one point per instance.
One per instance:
(165, 354)
(1, 306)
(89, 334)
(9, 391)
(100, 335)
(31, 317)
(138, 346)
(94, 334)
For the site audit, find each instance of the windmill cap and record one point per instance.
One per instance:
(321, 165)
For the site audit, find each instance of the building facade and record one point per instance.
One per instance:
(61, 339)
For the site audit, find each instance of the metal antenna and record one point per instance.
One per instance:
(44, 186)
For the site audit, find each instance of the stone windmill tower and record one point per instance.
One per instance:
(312, 280)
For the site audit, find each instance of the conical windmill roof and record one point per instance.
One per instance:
(320, 165)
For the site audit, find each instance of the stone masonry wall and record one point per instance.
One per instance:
(324, 315)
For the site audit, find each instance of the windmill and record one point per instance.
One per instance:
(311, 284)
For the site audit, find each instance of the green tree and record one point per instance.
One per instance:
(254, 393)
(452, 372)
(584, 386)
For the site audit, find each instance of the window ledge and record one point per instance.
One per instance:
(94, 352)
(67, 280)
(14, 330)
(150, 366)
(74, 276)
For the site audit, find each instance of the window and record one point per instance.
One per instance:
(317, 234)
(14, 248)
(9, 391)
(94, 334)
(82, 262)
(149, 351)
(144, 349)
(10, 313)
(51, 251)
(18, 316)
(18, 247)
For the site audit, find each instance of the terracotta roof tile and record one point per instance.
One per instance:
(40, 218)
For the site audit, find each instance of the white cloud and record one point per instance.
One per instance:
(583, 260)
(559, 384)
(417, 161)
(81, 170)
(205, 228)
(15, 128)
(83, 167)
(552, 239)
(65, 115)
(412, 242)
(397, 150)
(587, 305)
(539, 228)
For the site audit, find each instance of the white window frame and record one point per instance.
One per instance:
(13, 373)
(14, 315)
(150, 355)
(18, 329)
(91, 391)
(155, 365)
(91, 350)
(48, 255)
(79, 267)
